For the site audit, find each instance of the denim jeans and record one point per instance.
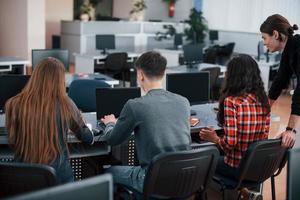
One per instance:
(132, 176)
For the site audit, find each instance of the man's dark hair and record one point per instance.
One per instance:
(152, 64)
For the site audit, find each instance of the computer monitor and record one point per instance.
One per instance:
(213, 35)
(112, 100)
(193, 86)
(177, 40)
(61, 54)
(193, 54)
(293, 174)
(11, 85)
(99, 187)
(104, 42)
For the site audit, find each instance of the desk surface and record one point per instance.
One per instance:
(98, 55)
(96, 76)
(205, 113)
(197, 68)
(13, 61)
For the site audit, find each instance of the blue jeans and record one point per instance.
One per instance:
(132, 176)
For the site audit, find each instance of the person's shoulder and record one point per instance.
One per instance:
(178, 97)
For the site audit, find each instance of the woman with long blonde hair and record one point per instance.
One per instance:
(39, 117)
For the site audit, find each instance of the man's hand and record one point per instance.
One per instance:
(288, 139)
(109, 118)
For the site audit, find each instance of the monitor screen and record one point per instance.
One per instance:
(60, 54)
(98, 187)
(213, 35)
(112, 100)
(11, 85)
(104, 42)
(192, 53)
(193, 86)
(293, 174)
(177, 39)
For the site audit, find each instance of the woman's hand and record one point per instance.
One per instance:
(209, 134)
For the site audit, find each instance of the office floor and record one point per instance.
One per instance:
(282, 109)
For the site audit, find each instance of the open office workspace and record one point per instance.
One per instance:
(140, 99)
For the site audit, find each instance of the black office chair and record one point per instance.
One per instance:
(83, 93)
(260, 162)
(180, 174)
(224, 53)
(214, 73)
(96, 188)
(116, 66)
(17, 178)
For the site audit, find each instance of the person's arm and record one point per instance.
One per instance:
(117, 132)
(79, 128)
(230, 139)
(282, 78)
(288, 136)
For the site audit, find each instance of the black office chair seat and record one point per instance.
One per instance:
(17, 178)
(260, 162)
(176, 175)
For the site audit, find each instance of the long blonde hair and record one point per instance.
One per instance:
(31, 116)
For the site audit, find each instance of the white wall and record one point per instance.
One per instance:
(247, 15)
(122, 8)
(36, 25)
(56, 10)
(13, 26)
(22, 27)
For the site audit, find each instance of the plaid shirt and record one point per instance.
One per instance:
(244, 122)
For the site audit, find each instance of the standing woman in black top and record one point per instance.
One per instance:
(278, 35)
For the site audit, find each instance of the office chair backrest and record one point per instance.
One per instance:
(98, 187)
(83, 93)
(116, 61)
(180, 174)
(227, 49)
(17, 178)
(261, 160)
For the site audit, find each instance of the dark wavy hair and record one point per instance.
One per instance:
(242, 77)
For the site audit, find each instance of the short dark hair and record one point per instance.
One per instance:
(152, 64)
(278, 23)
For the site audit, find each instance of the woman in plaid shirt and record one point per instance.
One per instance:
(244, 113)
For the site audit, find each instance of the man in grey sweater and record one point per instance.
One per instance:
(159, 120)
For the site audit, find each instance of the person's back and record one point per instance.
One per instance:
(39, 117)
(160, 121)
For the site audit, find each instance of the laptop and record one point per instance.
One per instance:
(112, 100)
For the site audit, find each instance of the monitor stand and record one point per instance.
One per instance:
(104, 52)
(192, 65)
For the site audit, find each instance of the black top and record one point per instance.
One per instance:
(289, 65)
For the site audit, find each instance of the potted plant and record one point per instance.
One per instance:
(137, 12)
(85, 11)
(197, 27)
